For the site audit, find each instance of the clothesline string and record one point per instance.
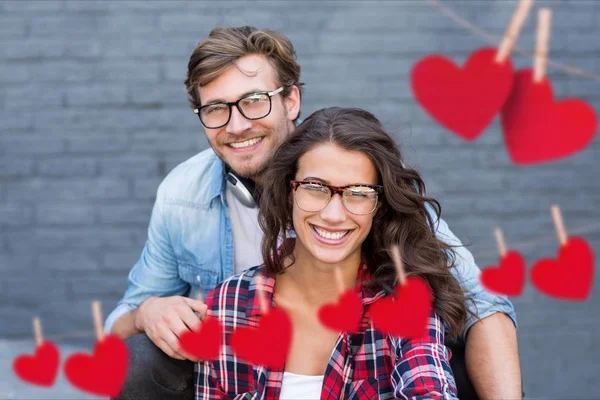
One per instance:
(495, 40)
(521, 246)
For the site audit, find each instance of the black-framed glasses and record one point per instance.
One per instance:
(313, 196)
(253, 106)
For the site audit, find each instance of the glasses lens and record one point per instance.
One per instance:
(256, 106)
(360, 200)
(214, 115)
(312, 197)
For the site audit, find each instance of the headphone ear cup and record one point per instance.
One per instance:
(243, 189)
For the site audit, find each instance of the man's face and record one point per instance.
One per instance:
(248, 145)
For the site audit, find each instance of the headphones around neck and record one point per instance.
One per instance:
(244, 189)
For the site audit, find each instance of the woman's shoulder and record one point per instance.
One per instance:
(233, 292)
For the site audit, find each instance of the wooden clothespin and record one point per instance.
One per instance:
(541, 44)
(397, 259)
(512, 32)
(559, 225)
(97, 315)
(500, 241)
(37, 332)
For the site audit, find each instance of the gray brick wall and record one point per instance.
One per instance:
(94, 114)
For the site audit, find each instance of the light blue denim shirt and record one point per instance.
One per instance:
(190, 244)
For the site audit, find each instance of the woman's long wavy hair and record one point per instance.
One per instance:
(401, 218)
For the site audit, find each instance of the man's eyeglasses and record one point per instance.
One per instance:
(314, 196)
(253, 106)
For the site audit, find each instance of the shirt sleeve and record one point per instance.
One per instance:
(481, 303)
(422, 369)
(156, 272)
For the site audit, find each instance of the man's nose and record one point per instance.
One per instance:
(237, 124)
(335, 210)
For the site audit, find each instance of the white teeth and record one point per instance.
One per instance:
(246, 143)
(330, 235)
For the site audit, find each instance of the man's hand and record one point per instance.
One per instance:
(164, 319)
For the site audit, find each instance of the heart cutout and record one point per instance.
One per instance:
(537, 129)
(40, 369)
(104, 372)
(204, 342)
(570, 276)
(508, 278)
(463, 100)
(344, 315)
(268, 344)
(406, 315)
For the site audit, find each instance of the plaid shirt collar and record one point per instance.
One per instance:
(267, 284)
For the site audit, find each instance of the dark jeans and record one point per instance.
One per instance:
(154, 375)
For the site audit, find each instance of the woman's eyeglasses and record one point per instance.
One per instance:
(312, 196)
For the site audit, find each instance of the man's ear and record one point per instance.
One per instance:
(292, 103)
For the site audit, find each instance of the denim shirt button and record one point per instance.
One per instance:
(197, 278)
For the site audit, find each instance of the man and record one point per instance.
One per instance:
(244, 86)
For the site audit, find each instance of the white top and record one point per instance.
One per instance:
(301, 387)
(247, 235)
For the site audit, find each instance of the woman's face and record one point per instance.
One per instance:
(333, 234)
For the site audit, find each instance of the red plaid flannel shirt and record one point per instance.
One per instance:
(363, 365)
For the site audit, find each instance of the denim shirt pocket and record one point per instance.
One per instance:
(198, 276)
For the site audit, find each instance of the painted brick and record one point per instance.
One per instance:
(32, 5)
(96, 95)
(15, 167)
(14, 214)
(126, 214)
(67, 167)
(96, 87)
(66, 214)
(71, 189)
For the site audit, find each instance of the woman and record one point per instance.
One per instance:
(338, 182)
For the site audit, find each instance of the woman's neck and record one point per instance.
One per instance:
(313, 280)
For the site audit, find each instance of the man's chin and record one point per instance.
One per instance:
(248, 171)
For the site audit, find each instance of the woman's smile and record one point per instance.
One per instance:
(330, 236)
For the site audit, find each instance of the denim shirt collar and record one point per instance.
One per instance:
(215, 184)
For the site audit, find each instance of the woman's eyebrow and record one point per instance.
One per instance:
(314, 178)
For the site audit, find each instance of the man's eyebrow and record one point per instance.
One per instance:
(252, 91)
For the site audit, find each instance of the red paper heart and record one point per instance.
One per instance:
(344, 315)
(266, 345)
(570, 277)
(407, 314)
(508, 278)
(536, 129)
(464, 100)
(104, 372)
(41, 368)
(205, 342)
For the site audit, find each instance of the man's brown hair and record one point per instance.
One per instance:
(225, 45)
